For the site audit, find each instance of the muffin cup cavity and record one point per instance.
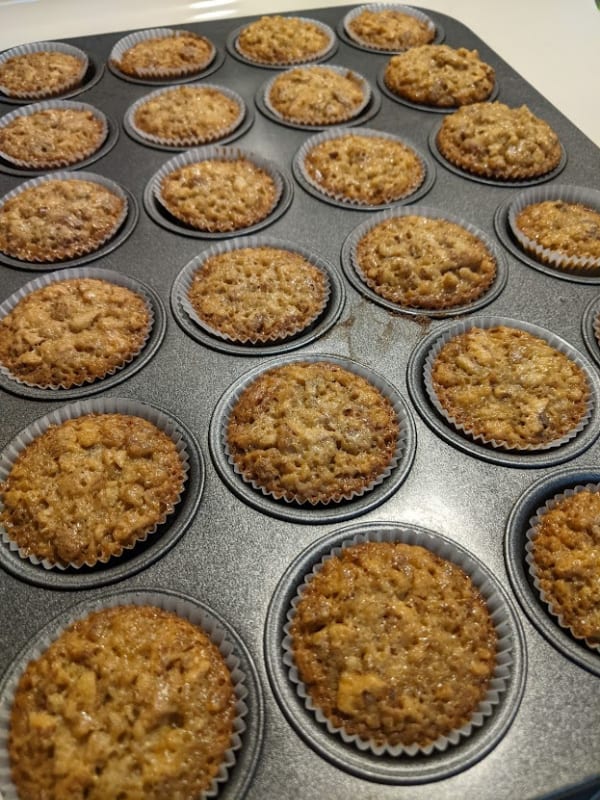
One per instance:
(435, 32)
(197, 613)
(190, 141)
(498, 612)
(554, 258)
(148, 73)
(101, 405)
(46, 47)
(530, 537)
(550, 338)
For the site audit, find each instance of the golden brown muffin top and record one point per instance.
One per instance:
(258, 294)
(317, 95)
(568, 229)
(389, 29)
(136, 701)
(88, 487)
(509, 386)
(44, 73)
(282, 40)
(180, 53)
(394, 644)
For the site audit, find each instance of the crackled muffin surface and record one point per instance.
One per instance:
(128, 702)
(509, 386)
(317, 95)
(566, 562)
(219, 194)
(496, 141)
(389, 29)
(567, 229)
(59, 219)
(282, 40)
(394, 644)
(72, 332)
(368, 170)
(425, 263)
(90, 486)
(174, 55)
(52, 137)
(438, 75)
(258, 293)
(312, 432)
(44, 73)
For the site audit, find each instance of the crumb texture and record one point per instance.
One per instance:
(390, 29)
(317, 95)
(167, 56)
(571, 230)
(44, 73)
(282, 40)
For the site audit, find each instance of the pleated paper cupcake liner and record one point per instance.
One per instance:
(375, 7)
(45, 47)
(127, 42)
(316, 56)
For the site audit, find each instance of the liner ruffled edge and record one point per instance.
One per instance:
(98, 406)
(498, 682)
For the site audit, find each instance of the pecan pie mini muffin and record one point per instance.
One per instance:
(394, 644)
(72, 332)
(283, 40)
(90, 487)
(186, 116)
(390, 28)
(219, 194)
(130, 701)
(495, 141)
(56, 219)
(42, 70)
(439, 76)
(363, 169)
(162, 54)
(563, 552)
(258, 294)
(317, 95)
(424, 262)
(312, 432)
(509, 387)
(52, 134)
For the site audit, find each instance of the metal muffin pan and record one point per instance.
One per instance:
(234, 553)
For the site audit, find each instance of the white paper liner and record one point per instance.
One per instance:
(375, 7)
(56, 161)
(421, 211)
(209, 153)
(172, 603)
(500, 678)
(351, 366)
(186, 277)
(540, 194)
(78, 272)
(343, 71)
(70, 176)
(40, 47)
(189, 141)
(531, 535)
(127, 42)
(490, 322)
(339, 132)
(99, 405)
(290, 61)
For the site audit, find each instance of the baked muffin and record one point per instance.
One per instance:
(72, 332)
(283, 40)
(365, 170)
(389, 29)
(188, 115)
(394, 644)
(424, 262)
(317, 95)
(163, 54)
(59, 219)
(219, 194)
(89, 487)
(439, 76)
(41, 73)
(258, 294)
(495, 141)
(312, 431)
(565, 557)
(509, 387)
(52, 137)
(560, 233)
(129, 702)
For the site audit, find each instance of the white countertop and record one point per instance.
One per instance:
(554, 44)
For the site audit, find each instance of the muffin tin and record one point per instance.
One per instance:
(226, 548)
